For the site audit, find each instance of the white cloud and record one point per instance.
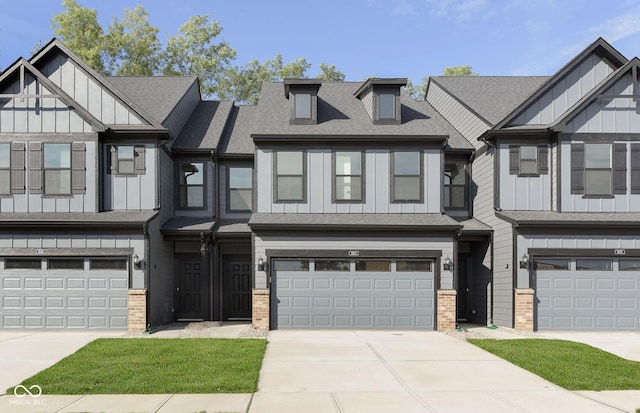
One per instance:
(619, 27)
(403, 8)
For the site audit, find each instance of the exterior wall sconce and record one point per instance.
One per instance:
(447, 265)
(137, 262)
(262, 265)
(524, 261)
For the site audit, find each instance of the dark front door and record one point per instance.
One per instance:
(464, 288)
(189, 288)
(237, 289)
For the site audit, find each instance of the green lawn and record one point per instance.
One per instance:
(574, 366)
(144, 366)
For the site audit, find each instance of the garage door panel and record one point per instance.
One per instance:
(54, 283)
(321, 284)
(11, 283)
(33, 283)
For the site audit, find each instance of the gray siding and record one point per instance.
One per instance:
(502, 273)
(609, 115)
(367, 101)
(377, 185)
(522, 193)
(556, 101)
(180, 114)
(135, 192)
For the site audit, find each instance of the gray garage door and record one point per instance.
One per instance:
(69, 293)
(587, 294)
(353, 294)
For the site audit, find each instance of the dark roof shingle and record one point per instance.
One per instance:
(205, 126)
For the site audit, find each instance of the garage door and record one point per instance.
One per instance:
(360, 294)
(73, 293)
(587, 294)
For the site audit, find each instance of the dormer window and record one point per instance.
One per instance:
(381, 98)
(303, 98)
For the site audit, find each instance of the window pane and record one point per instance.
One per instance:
(629, 265)
(107, 264)
(457, 194)
(22, 264)
(348, 163)
(192, 173)
(5, 181)
(289, 188)
(5, 151)
(597, 155)
(407, 188)
(57, 182)
(240, 177)
(597, 182)
(303, 105)
(594, 265)
(195, 196)
(125, 166)
(373, 266)
(455, 173)
(528, 153)
(57, 155)
(289, 163)
(125, 152)
(406, 163)
(528, 167)
(326, 265)
(413, 266)
(240, 199)
(65, 264)
(291, 265)
(549, 264)
(387, 106)
(348, 188)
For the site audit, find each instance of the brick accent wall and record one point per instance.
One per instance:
(524, 309)
(446, 310)
(260, 308)
(137, 319)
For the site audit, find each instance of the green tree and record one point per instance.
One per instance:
(78, 29)
(131, 45)
(329, 73)
(417, 92)
(194, 52)
(458, 71)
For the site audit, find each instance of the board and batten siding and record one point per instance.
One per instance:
(522, 193)
(134, 192)
(77, 202)
(578, 203)
(262, 243)
(80, 242)
(377, 185)
(565, 93)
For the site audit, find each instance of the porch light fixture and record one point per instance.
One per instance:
(261, 264)
(447, 265)
(137, 262)
(524, 261)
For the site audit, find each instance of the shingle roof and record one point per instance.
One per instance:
(107, 218)
(156, 95)
(606, 219)
(195, 224)
(474, 225)
(233, 227)
(350, 221)
(341, 113)
(237, 135)
(492, 97)
(205, 126)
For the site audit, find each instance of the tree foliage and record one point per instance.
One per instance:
(458, 71)
(329, 73)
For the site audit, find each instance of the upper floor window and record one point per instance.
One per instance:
(290, 171)
(302, 106)
(348, 183)
(600, 169)
(127, 160)
(597, 169)
(528, 160)
(240, 189)
(455, 185)
(386, 106)
(57, 168)
(192, 185)
(5, 168)
(406, 177)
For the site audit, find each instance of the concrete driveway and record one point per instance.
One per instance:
(376, 371)
(625, 344)
(24, 353)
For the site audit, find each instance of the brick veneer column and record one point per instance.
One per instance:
(137, 318)
(446, 310)
(260, 309)
(524, 309)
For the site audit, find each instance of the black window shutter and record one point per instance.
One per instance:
(17, 168)
(620, 168)
(577, 168)
(35, 167)
(635, 168)
(139, 160)
(78, 168)
(514, 160)
(543, 159)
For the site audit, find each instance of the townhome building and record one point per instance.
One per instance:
(132, 202)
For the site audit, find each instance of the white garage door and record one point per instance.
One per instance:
(353, 294)
(587, 294)
(64, 293)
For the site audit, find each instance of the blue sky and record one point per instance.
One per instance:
(384, 38)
